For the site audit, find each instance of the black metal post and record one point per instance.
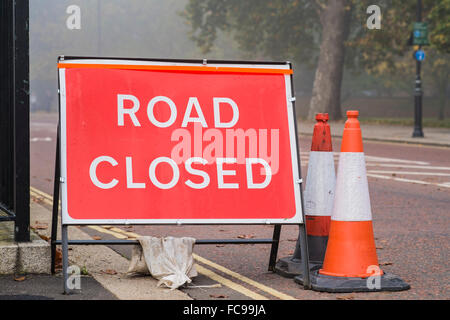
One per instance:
(6, 107)
(418, 87)
(15, 115)
(274, 248)
(22, 121)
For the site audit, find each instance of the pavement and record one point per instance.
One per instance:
(106, 277)
(384, 133)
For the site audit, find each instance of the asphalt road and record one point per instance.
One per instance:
(410, 198)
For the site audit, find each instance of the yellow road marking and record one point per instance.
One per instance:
(127, 233)
(122, 234)
(238, 276)
(103, 230)
(226, 282)
(42, 194)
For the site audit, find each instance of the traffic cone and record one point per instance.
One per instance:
(351, 262)
(318, 200)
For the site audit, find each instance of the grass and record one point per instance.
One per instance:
(426, 122)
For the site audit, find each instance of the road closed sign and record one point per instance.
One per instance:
(162, 142)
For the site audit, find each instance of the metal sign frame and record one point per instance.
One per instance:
(295, 153)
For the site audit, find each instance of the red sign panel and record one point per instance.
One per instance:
(162, 142)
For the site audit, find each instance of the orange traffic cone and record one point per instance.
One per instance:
(318, 199)
(351, 262)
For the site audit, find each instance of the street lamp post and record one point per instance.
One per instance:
(418, 93)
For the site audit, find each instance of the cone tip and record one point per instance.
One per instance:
(352, 114)
(322, 117)
(352, 138)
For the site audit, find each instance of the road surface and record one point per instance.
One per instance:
(410, 198)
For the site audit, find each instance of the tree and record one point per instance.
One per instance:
(326, 95)
(282, 29)
(329, 34)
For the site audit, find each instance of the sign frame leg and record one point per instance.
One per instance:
(55, 211)
(65, 256)
(303, 244)
(274, 247)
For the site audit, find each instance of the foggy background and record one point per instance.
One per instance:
(158, 29)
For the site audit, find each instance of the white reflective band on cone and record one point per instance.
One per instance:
(320, 183)
(352, 201)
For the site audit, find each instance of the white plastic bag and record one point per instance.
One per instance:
(167, 259)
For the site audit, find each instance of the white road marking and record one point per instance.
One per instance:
(402, 166)
(445, 185)
(382, 159)
(399, 164)
(412, 173)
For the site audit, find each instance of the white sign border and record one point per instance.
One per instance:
(68, 220)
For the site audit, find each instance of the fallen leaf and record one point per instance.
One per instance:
(40, 226)
(379, 247)
(19, 278)
(246, 236)
(220, 245)
(109, 271)
(386, 263)
(44, 237)
(58, 258)
(37, 199)
(97, 238)
(219, 296)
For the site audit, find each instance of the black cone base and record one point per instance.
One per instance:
(323, 283)
(289, 267)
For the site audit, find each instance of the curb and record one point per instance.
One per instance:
(23, 257)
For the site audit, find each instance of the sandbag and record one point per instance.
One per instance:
(167, 259)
